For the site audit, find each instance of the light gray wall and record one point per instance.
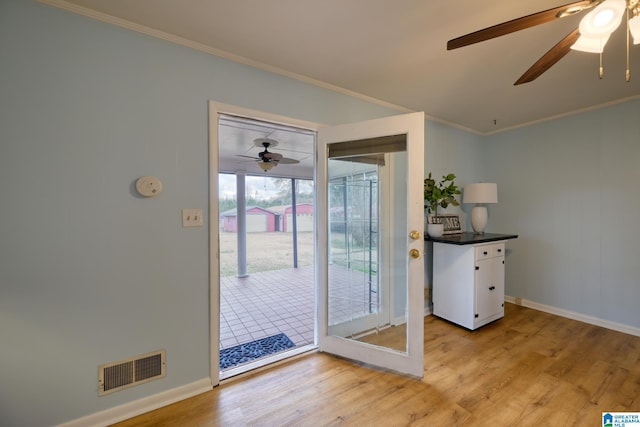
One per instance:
(90, 272)
(450, 150)
(569, 188)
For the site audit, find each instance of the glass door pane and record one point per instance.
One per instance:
(370, 198)
(359, 297)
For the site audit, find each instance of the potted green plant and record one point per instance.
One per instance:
(439, 194)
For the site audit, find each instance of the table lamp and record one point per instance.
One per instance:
(480, 193)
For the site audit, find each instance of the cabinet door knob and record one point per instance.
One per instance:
(485, 252)
(499, 250)
(477, 268)
(491, 288)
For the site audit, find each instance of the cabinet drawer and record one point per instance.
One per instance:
(483, 252)
(498, 249)
(489, 251)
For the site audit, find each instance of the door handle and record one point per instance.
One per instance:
(414, 253)
(415, 234)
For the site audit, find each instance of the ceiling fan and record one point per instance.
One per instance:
(591, 36)
(267, 159)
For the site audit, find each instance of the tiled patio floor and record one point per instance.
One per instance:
(267, 303)
(283, 301)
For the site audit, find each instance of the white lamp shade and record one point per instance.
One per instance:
(480, 192)
(634, 29)
(590, 44)
(603, 20)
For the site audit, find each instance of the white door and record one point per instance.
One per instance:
(370, 244)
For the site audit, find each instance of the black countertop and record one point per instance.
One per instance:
(469, 238)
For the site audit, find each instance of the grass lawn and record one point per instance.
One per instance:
(265, 251)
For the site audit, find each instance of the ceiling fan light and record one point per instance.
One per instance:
(590, 44)
(604, 19)
(266, 166)
(634, 29)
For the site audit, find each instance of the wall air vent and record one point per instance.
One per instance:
(126, 373)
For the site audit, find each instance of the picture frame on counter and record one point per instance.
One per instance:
(451, 222)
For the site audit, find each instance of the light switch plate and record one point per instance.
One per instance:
(192, 217)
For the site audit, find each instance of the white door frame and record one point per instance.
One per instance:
(216, 108)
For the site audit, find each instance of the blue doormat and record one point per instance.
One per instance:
(253, 350)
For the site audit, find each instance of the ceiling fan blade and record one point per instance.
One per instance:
(270, 156)
(547, 60)
(288, 161)
(247, 157)
(521, 23)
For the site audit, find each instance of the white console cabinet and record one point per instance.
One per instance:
(468, 278)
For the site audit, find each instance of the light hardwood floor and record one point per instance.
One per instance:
(528, 369)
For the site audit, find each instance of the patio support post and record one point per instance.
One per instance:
(241, 212)
(294, 222)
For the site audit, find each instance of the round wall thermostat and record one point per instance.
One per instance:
(148, 186)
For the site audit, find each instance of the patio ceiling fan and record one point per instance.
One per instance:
(591, 36)
(267, 159)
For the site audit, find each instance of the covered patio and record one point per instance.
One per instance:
(267, 303)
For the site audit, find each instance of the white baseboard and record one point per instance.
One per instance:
(631, 330)
(141, 406)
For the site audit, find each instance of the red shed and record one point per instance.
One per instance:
(304, 213)
(258, 220)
